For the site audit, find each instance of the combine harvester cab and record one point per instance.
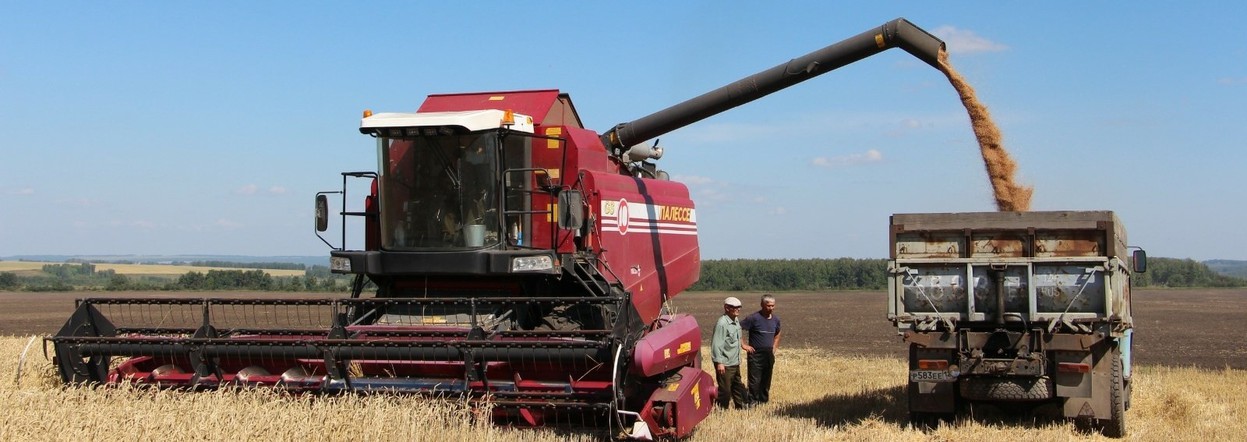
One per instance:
(510, 255)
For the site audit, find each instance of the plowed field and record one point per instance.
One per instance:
(1201, 328)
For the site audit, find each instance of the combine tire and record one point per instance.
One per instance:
(1006, 389)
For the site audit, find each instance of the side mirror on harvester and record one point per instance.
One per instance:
(322, 213)
(571, 209)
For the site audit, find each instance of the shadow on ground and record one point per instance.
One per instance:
(891, 406)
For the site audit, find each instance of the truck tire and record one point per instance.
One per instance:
(1115, 425)
(1006, 389)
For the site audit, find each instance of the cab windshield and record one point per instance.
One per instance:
(439, 192)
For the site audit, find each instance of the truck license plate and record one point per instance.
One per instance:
(930, 376)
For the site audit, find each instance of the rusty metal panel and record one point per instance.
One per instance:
(913, 245)
(946, 341)
(999, 245)
(1074, 243)
(936, 289)
(1069, 288)
(1055, 233)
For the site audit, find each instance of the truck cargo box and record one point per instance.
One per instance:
(1065, 265)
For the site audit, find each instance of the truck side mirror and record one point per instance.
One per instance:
(1140, 261)
(571, 209)
(322, 213)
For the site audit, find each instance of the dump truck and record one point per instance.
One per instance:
(509, 255)
(1015, 309)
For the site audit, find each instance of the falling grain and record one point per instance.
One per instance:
(1010, 196)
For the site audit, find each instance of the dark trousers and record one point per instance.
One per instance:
(761, 364)
(731, 388)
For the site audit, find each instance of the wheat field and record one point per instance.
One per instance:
(817, 396)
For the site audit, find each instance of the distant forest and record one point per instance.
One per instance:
(1237, 269)
(84, 276)
(716, 275)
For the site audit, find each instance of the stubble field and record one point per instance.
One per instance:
(840, 376)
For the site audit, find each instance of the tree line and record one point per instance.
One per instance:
(871, 274)
(792, 274)
(1171, 272)
(716, 275)
(84, 276)
(223, 264)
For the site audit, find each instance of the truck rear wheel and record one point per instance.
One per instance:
(1006, 389)
(1115, 425)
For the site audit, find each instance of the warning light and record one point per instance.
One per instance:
(508, 117)
(367, 113)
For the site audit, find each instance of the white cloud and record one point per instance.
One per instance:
(228, 224)
(705, 190)
(964, 41)
(1232, 81)
(905, 126)
(277, 190)
(778, 211)
(870, 156)
(249, 189)
(22, 191)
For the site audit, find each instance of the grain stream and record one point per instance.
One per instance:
(1010, 196)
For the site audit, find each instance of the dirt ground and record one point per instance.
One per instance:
(1172, 327)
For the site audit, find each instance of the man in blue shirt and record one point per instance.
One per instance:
(763, 329)
(725, 349)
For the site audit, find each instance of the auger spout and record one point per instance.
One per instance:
(896, 33)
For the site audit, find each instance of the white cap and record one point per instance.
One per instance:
(731, 301)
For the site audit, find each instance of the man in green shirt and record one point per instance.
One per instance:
(725, 353)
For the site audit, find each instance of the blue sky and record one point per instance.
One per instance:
(206, 128)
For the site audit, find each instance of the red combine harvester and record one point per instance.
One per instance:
(510, 255)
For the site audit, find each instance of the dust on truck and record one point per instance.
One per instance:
(1021, 308)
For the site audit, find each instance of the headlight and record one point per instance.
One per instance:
(339, 264)
(532, 263)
